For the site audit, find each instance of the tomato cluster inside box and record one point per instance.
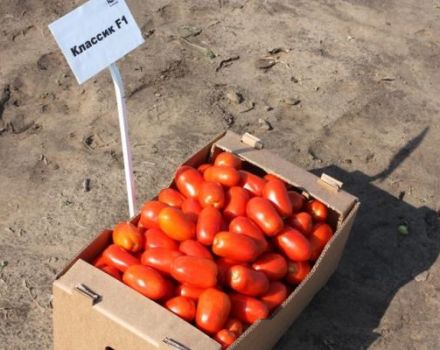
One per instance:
(95, 310)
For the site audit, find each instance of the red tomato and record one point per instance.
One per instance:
(247, 281)
(183, 307)
(146, 281)
(150, 214)
(187, 290)
(236, 201)
(276, 294)
(318, 210)
(128, 236)
(275, 191)
(99, 262)
(321, 234)
(203, 167)
(188, 181)
(199, 272)
(235, 326)
(235, 246)
(225, 175)
(243, 225)
(176, 224)
(155, 238)
(252, 183)
(209, 224)
(212, 194)
(298, 270)
(272, 264)
(302, 221)
(248, 309)
(228, 159)
(225, 337)
(213, 310)
(192, 208)
(264, 214)
(117, 257)
(223, 266)
(297, 201)
(112, 271)
(171, 197)
(269, 177)
(195, 248)
(160, 258)
(294, 244)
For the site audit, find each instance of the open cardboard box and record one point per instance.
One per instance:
(94, 311)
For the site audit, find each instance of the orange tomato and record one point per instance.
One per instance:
(235, 246)
(302, 221)
(128, 236)
(183, 307)
(194, 248)
(264, 214)
(275, 295)
(236, 201)
(297, 200)
(321, 234)
(223, 266)
(318, 210)
(118, 257)
(160, 258)
(99, 261)
(235, 326)
(248, 309)
(150, 214)
(269, 177)
(252, 183)
(225, 175)
(247, 281)
(213, 310)
(243, 225)
(171, 197)
(203, 167)
(209, 224)
(275, 191)
(176, 224)
(187, 290)
(212, 194)
(225, 337)
(196, 271)
(192, 208)
(297, 271)
(146, 281)
(294, 244)
(188, 181)
(155, 238)
(272, 264)
(228, 159)
(112, 271)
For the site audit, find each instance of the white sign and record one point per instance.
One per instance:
(95, 35)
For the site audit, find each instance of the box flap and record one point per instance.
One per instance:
(339, 200)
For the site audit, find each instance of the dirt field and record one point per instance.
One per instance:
(351, 87)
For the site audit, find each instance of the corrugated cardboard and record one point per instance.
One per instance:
(94, 311)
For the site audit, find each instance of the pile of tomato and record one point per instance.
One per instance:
(222, 249)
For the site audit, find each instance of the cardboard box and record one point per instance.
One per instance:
(94, 311)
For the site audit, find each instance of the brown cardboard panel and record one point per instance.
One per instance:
(123, 319)
(266, 333)
(340, 201)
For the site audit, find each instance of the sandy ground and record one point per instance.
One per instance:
(353, 90)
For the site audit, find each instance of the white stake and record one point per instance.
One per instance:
(123, 125)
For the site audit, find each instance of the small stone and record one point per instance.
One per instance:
(264, 124)
(422, 277)
(268, 108)
(157, 94)
(403, 229)
(86, 185)
(234, 97)
(292, 101)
